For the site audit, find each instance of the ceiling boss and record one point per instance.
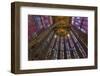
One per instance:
(62, 26)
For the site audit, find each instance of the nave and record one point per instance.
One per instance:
(63, 38)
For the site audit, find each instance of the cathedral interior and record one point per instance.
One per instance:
(57, 37)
